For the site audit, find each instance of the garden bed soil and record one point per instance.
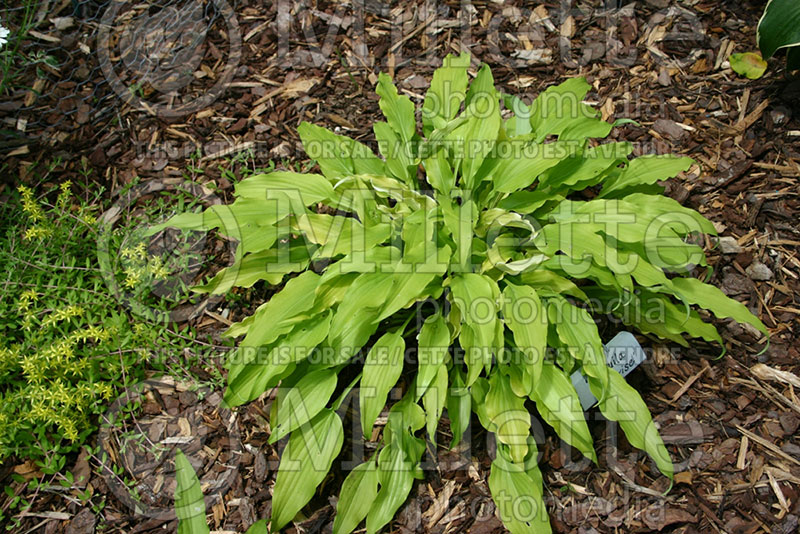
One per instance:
(730, 422)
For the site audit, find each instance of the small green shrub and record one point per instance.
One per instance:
(483, 215)
(66, 346)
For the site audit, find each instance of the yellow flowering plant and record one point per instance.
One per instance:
(66, 349)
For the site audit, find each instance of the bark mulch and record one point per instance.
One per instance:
(730, 421)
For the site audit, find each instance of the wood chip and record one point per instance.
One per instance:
(767, 444)
(687, 385)
(742, 458)
(228, 151)
(764, 372)
(751, 119)
(778, 492)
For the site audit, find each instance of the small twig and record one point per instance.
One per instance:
(688, 384)
(767, 444)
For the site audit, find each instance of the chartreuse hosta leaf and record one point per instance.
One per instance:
(464, 248)
(305, 462)
(359, 491)
(189, 504)
(382, 369)
(623, 404)
(558, 403)
(517, 490)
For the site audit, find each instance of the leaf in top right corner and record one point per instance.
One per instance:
(779, 27)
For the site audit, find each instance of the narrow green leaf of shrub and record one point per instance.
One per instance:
(557, 106)
(585, 166)
(479, 133)
(232, 219)
(200, 220)
(357, 314)
(281, 312)
(587, 127)
(303, 402)
(396, 479)
(558, 403)
(382, 369)
(189, 505)
(578, 333)
(305, 462)
(308, 188)
(439, 173)
(398, 110)
(475, 296)
(259, 527)
(693, 291)
(653, 313)
(398, 163)
(519, 123)
(338, 156)
(405, 417)
(645, 170)
(409, 287)
(664, 210)
(546, 281)
(624, 405)
(252, 380)
(264, 265)
(254, 371)
(460, 221)
(513, 174)
(359, 491)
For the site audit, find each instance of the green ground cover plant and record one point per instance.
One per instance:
(67, 345)
(58, 360)
(465, 267)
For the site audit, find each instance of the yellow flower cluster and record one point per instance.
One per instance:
(157, 268)
(9, 359)
(64, 405)
(37, 232)
(63, 194)
(62, 314)
(87, 217)
(141, 266)
(50, 373)
(134, 253)
(56, 369)
(29, 205)
(26, 298)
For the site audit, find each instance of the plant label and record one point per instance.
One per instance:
(623, 354)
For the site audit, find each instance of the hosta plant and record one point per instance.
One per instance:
(516, 228)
